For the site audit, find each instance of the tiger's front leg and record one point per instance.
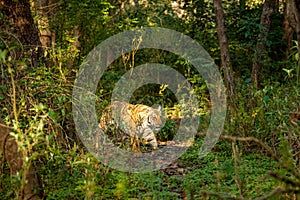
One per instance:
(149, 136)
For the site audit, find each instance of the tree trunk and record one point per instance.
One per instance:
(289, 26)
(9, 148)
(225, 57)
(260, 55)
(19, 12)
(297, 9)
(45, 10)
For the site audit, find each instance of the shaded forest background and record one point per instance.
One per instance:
(254, 43)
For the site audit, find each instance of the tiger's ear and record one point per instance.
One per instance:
(159, 108)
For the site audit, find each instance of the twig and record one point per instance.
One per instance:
(266, 147)
(220, 196)
(284, 179)
(14, 99)
(4, 126)
(236, 168)
(272, 193)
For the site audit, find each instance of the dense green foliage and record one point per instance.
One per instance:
(38, 101)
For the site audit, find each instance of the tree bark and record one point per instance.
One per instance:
(45, 9)
(19, 12)
(260, 55)
(226, 65)
(297, 8)
(289, 25)
(14, 157)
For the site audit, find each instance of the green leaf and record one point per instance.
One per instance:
(53, 114)
(266, 99)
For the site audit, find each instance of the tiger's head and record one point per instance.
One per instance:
(154, 118)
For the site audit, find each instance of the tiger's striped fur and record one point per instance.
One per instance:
(137, 121)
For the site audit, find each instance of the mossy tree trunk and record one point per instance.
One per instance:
(226, 65)
(260, 56)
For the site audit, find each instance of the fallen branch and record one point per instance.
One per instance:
(294, 172)
(272, 193)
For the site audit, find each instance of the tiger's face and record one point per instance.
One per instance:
(154, 118)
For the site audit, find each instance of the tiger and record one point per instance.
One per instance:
(136, 121)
